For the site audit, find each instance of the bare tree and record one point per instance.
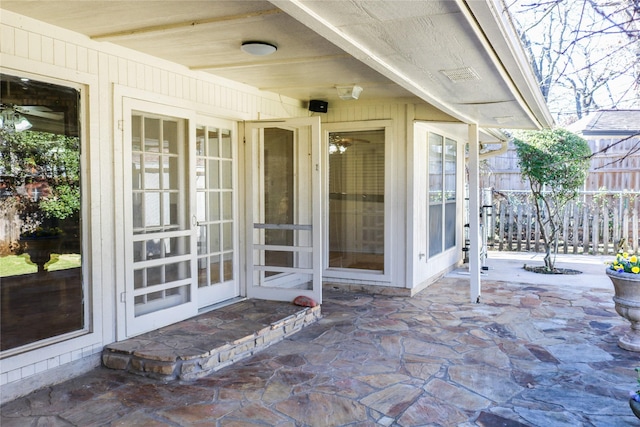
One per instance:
(584, 53)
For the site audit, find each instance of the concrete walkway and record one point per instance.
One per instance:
(538, 350)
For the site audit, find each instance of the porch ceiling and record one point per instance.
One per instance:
(390, 48)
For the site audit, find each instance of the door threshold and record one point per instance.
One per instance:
(220, 304)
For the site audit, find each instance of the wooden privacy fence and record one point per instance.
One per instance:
(597, 223)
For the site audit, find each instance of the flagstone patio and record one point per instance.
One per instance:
(537, 351)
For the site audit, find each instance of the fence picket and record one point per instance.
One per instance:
(565, 230)
(502, 222)
(596, 228)
(585, 230)
(536, 234)
(634, 229)
(529, 222)
(596, 231)
(605, 229)
(519, 229)
(576, 226)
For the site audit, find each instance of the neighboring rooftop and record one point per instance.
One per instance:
(608, 123)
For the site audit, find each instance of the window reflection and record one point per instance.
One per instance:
(356, 199)
(40, 211)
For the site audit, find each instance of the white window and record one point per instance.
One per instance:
(442, 161)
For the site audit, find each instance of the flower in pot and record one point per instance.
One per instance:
(624, 273)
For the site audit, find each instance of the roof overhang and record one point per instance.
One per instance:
(461, 57)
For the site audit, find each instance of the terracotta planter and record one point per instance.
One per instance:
(627, 301)
(635, 407)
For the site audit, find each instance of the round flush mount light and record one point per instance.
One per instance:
(258, 48)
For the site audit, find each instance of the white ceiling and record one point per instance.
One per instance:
(391, 48)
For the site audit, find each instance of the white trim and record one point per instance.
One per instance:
(93, 273)
(339, 274)
(474, 214)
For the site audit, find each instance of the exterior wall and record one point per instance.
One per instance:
(48, 53)
(41, 51)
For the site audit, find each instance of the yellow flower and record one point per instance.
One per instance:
(635, 270)
(625, 255)
(633, 259)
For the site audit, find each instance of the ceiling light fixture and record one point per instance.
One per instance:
(11, 120)
(349, 92)
(258, 48)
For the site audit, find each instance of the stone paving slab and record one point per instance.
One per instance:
(541, 354)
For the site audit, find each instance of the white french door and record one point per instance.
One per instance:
(179, 204)
(283, 209)
(216, 209)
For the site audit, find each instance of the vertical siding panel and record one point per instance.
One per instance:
(156, 82)
(171, 84)
(35, 47)
(113, 68)
(186, 88)
(178, 85)
(138, 79)
(123, 72)
(47, 50)
(132, 74)
(7, 40)
(82, 59)
(59, 53)
(148, 78)
(164, 82)
(200, 92)
(92, 62)
(21, 43)
(71, 56)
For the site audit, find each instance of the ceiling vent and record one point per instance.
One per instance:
(464, 74)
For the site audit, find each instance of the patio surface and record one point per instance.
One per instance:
(538, 350)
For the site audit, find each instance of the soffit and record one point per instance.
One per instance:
(393, 49)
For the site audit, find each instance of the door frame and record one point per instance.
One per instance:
(389, 214)
(297, 124)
